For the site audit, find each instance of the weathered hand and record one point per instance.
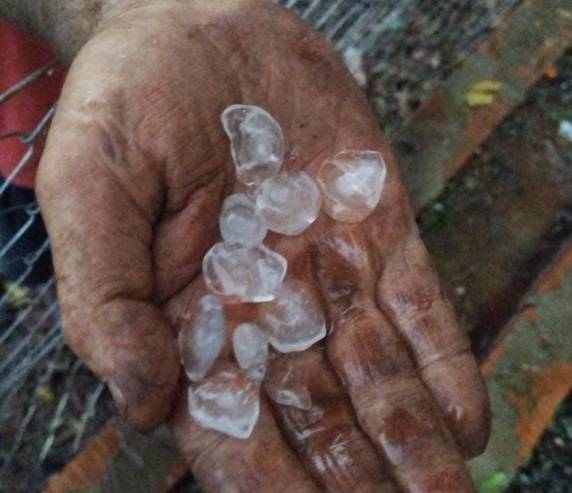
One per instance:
(131, 183)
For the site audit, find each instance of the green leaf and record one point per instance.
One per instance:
(494, 483)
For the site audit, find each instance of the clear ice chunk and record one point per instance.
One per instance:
(288, 203)
(251, 350)
(226, 402)
(239, 222)
(299, 398)
(201, 341)
(287, 385)
(352, 183)
(294, 320)
(256, 142)
(250, 274)
(354, 59)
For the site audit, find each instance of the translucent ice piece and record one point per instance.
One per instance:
(251, 350)
(245, 274)
(201, 341)
(565, 130)
(354, 58)
(287, 385)
(256, 142)
(239, 221)
(294, 320)
(289, 203)
(299, 398)
(227, 402)
(352, 183)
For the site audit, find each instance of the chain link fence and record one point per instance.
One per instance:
(399, 50)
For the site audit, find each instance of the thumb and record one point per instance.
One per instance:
(100, 198)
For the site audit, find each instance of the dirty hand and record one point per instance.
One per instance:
(131, 184)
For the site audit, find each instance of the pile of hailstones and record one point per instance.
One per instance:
(241, 269)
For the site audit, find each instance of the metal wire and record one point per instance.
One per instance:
(27, 81)
(407, 46)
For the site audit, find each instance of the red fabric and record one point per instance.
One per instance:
(20, 55)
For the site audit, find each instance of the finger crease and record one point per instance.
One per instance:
(428, 362)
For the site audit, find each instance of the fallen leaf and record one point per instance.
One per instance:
(45, 393)
(495, 483)
(551, 72)
(482, 93)
(17, 296)
(474, 99)
(486, 86)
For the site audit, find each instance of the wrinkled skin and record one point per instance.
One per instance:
(131, 182)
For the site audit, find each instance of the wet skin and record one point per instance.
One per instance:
(131, 183)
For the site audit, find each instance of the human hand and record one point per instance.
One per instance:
(131, 184)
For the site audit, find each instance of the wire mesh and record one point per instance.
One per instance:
(49, 403)
(405, 47)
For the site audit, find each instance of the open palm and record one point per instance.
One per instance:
(131, 184)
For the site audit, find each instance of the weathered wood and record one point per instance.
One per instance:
(505, 215)
(445, 131)
(121, 460)
(529, 371)
(89, 466)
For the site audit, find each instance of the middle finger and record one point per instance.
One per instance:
(321, 425)
(392, 404)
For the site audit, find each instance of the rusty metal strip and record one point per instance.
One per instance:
(104, 457)
(529, 371)
(89, 466)
(446, 131)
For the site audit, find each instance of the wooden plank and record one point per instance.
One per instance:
(505, 216)
(121, 460)
(529, 372)
(446, 132)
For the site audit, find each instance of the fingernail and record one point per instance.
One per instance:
(119, 399)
